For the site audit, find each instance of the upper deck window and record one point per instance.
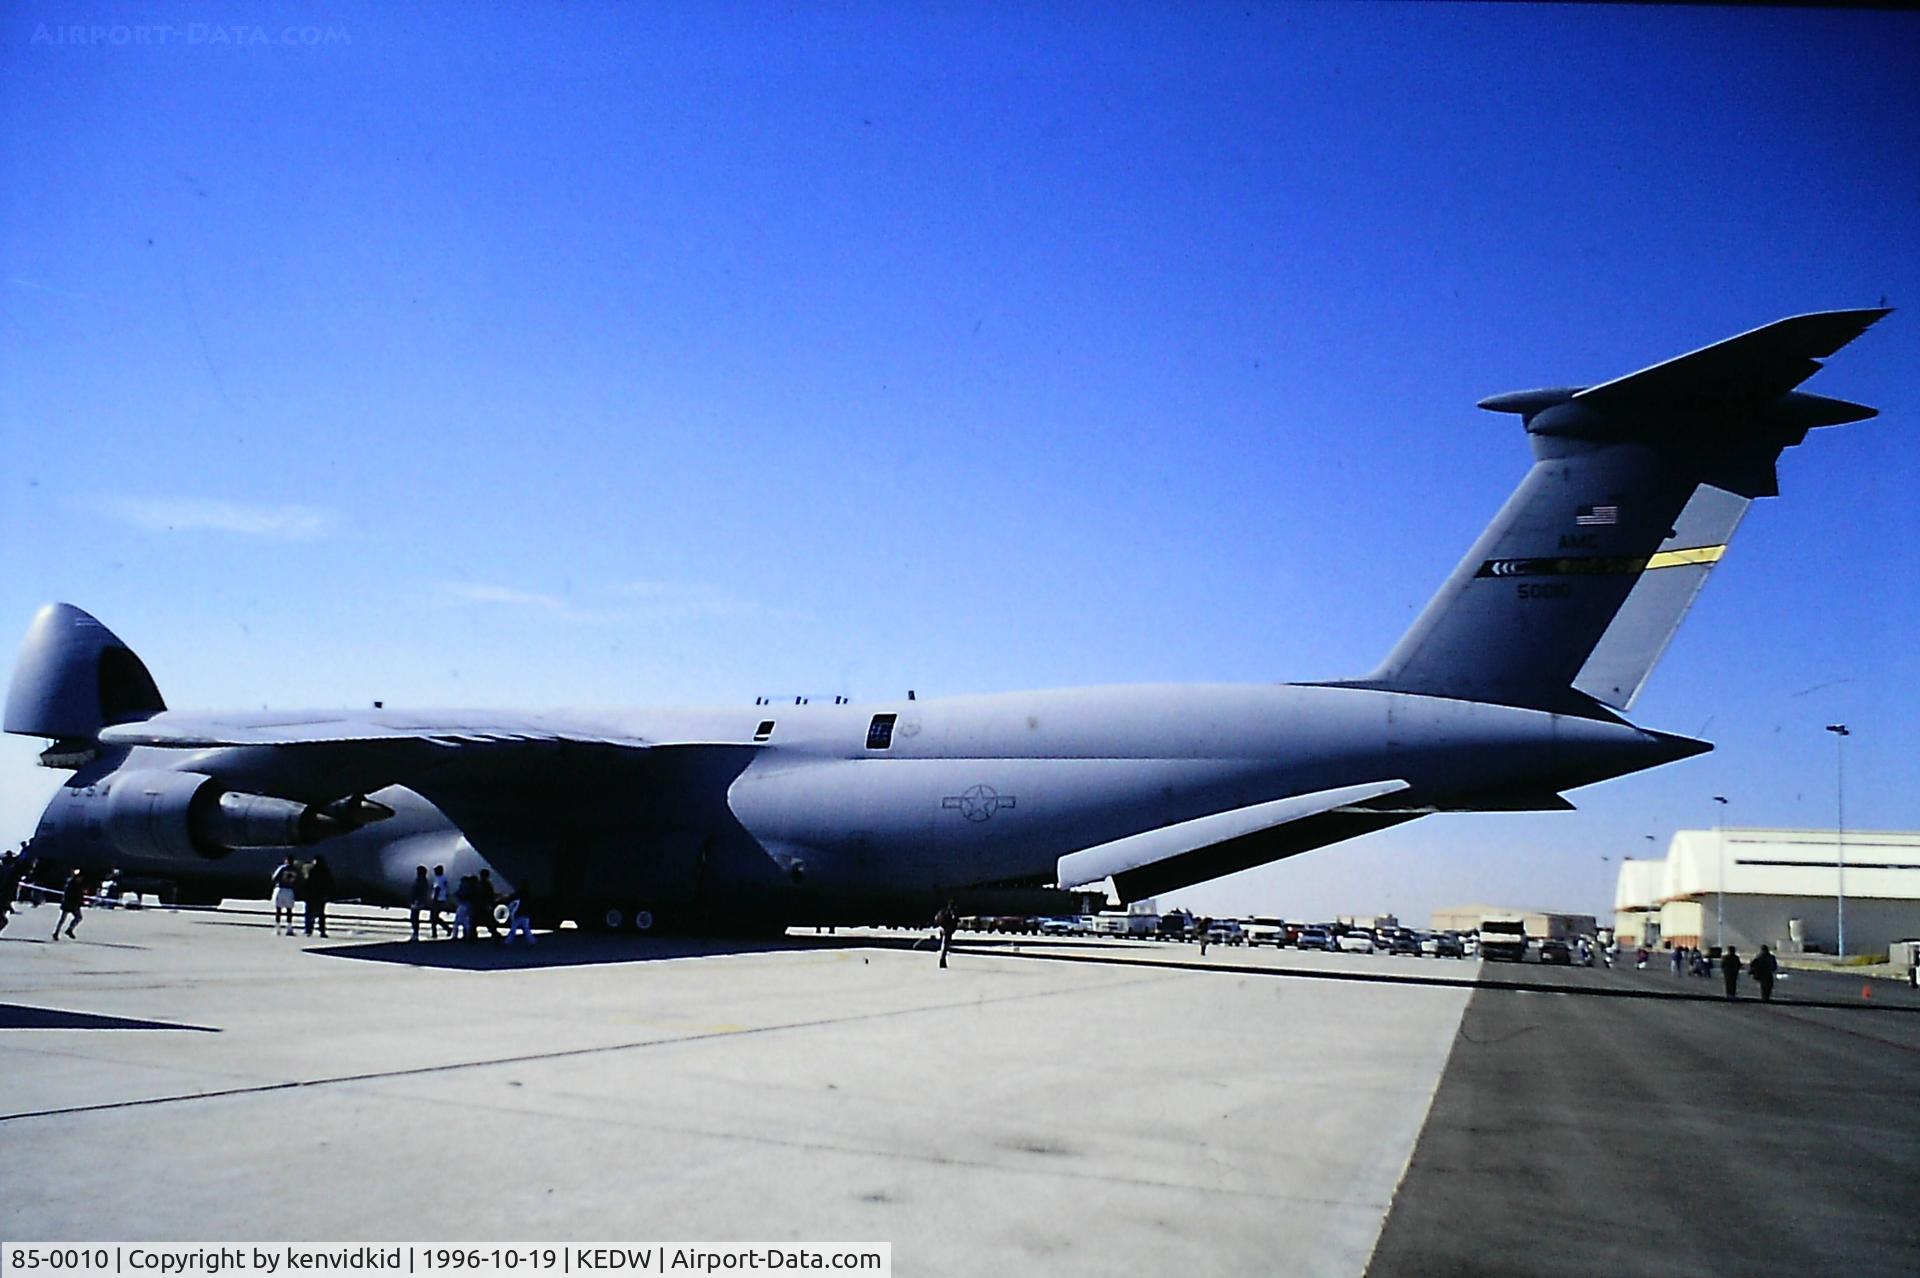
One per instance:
(880, 732)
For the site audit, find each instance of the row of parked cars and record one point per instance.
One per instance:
(1386, 940)
(1178, 925)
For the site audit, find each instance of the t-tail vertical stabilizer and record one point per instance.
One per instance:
(1572, 593)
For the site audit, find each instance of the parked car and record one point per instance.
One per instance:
(1356, 941)
(1403, 942)
(1265, 932)
(1316, 938)
(1554, 950)
(1448, 945)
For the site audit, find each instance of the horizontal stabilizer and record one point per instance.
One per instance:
(1168, 843)
(1753, 368)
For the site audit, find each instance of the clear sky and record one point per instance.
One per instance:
(618, 354)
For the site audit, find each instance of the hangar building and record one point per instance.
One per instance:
(1540, 924)
(1776, 887)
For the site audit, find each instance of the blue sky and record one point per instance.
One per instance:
(615, 355)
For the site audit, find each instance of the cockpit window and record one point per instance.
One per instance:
(880, 732)
(764, 731)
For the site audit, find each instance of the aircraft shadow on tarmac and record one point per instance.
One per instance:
(580, 949)
(584, 949)
(15, 1016)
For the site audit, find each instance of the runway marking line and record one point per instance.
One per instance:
(561, 1054)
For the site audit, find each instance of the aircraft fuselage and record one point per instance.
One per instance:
(881, 811)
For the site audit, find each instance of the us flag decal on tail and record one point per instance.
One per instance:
(1596, 516)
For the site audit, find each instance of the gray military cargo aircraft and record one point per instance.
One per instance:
(1509, 690)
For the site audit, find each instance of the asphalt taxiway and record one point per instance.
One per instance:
(1637, 1122)
(1057, 1106)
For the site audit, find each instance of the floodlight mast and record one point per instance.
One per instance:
(1720, 879)
(1840, 734)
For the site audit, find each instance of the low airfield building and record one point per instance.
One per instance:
(1540, 924)
(1750, 887)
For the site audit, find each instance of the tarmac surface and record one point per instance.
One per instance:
(1045, 1105)
(1669, 1132)
(1010, 1114)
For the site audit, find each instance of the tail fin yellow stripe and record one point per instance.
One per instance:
(1681, 558)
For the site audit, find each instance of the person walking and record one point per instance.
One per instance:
(1730, 971)
(442, 900)
(463, 909)
(485, 897)
(285, 882)
(947, 920)
(319, 892)
(72, 899)
(520, 916)
(1764, 968)
(13, 868)
(1206, 934)
(419, 898)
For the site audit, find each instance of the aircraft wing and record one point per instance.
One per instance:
(179, 730)
(319, 755)
(1206, 847)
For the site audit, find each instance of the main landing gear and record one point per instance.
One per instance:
(622, 918)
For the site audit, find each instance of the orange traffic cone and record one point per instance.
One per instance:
(1866, 990)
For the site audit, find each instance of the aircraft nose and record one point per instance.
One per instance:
(55, 832)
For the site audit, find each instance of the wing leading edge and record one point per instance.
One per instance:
(322, 754)
(185, 731)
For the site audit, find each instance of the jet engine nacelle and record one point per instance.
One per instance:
(181, 815)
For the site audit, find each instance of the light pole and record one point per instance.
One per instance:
(1840, 735)
(1720, 902)
(1651, 841)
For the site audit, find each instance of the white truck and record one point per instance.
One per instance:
(1503, 940)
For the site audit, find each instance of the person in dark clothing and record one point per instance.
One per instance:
(13, 868)
(485, 897)
(319, 892)
(1730, 971)
(71, 901)
(463, 909)
(1765, 968)
(947, 920)
(419, 898)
